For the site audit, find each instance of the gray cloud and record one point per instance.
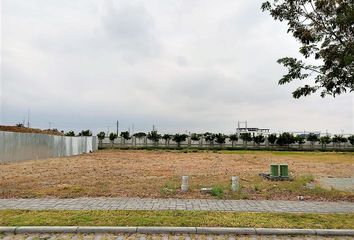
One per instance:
(181, 65)
(130, 29)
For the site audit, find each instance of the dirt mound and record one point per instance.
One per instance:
(29, 130)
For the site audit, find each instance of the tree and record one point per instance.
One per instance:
(258, 139)
(195, 137)
(70, 134)
(220, 138)
(167, 138)
(272, 138)
(139, 135)
(100, 137)
(324, 140)
(233, 139)
(246, 137)
(312, 138)
(326, 33)
(154, 136)
(20, 125)
(125, 136)
(209, 137)
(339, 139)
(285, 139)
(112, 137)
(351, 139)
(178, 138)
(300, 139)
(86, 133)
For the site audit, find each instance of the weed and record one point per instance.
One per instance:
(257, 188)
(217, 191)
(169, 188)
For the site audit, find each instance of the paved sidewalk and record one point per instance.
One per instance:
(177, 204)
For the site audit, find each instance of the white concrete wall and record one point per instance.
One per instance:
(28, 146)
(144, 142)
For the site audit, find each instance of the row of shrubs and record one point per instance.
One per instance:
(282, 139)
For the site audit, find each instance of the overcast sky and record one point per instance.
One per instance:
(196, 65)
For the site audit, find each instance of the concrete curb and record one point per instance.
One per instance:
(106, 229)
(222, 230)
(167, 230)
(46, 229)
(177, 230)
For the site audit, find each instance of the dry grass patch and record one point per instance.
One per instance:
(174, 218)
(157, 174)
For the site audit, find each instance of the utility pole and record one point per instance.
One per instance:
(28, 118)
(117, 128)
(107, 130)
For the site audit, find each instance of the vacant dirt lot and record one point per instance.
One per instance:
(157, 174)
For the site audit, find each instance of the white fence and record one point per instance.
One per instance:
(28, 146)
(202, 143)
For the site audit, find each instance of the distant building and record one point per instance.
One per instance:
(306, 133)
(254, 131)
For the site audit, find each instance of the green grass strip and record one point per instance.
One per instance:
(174, 218)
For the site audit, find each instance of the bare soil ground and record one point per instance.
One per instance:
(156, 174)
(29, 130)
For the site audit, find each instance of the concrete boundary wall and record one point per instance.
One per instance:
(202, 143)
(16, 146)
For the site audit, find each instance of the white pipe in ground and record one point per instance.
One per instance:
(234, 183)
(185, 183)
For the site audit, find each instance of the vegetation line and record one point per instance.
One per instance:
(174, 218)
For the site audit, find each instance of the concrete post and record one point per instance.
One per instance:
(234, 183)
(185, 183)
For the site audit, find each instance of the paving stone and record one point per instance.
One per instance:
(173, 204)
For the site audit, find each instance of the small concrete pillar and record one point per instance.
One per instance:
(185, 183)
(234, 183)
